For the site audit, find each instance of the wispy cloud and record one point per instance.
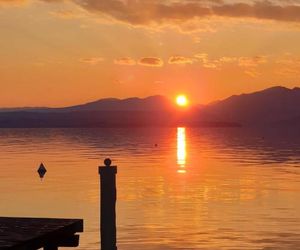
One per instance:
(252, 61)
(91, 60)
(252, 73)
(66, 14)
(243, 62)
(180, 60)
(202, 57)
(125, 61)
(228, 59)
(13, 3)
(145, 61)
(289, 65)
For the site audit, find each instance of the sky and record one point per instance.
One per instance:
(64, 52)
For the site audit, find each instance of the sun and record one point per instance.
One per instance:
(182, 100)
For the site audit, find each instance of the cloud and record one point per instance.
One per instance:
(210, 65)
(289, 60)
(202, 57)
(252, 61)
(252, 73)
(180, 60)
(249, 64)
(145, 61)
(261, 10)
(146, 12)
(160, 11)
(151, 61)
(91, 60)
(217, 62)
(288, 72)
(143, 12)
(289, 65)
(66, 14)
(206, 62)
(184, 13)
(125, 61)
(227, 59)
(13, 3)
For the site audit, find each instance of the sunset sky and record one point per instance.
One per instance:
(59, 53)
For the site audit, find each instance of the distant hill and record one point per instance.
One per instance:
(33, 109)
(150, 103)
(273, 106)
(150, 111)
(276, 106)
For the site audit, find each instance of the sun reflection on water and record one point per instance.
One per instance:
(181, 150)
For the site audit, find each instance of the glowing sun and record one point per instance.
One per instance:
(182, 100)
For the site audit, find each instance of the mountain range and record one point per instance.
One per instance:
(273, 106)
(276, 106)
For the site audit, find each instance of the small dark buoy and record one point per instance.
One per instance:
(107, 162)
(42, 170)
(155, 145)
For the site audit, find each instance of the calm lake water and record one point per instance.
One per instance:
(197, 189)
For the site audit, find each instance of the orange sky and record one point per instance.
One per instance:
(64, 52)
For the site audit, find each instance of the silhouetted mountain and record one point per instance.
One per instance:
(277, 106)
(152, 103)
(273, 106)
(32, 109)
(150, 111)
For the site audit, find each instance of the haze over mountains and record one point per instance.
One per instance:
(276, 106)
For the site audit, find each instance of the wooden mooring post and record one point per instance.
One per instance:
(108, 206)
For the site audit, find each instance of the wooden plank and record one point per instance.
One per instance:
(34, 233)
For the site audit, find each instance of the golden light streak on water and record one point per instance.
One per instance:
(181, 150)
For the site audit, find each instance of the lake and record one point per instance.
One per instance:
(178, 188)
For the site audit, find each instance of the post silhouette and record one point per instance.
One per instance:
(108, 206)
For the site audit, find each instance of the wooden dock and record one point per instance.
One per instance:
(35, 233)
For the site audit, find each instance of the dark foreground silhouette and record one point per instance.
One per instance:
(36, 233)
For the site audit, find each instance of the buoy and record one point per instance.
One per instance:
(42, 170)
